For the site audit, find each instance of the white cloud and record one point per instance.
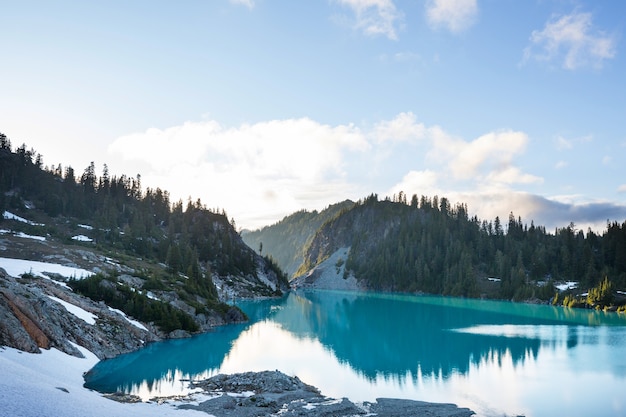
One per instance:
(417, 182)
(621, 188)
(375, 17)
(264, 171)
(571, 41)
(487, 159)
(254, 168)
(295, 148)
(404, 127)
(563, 144)
(248, 3)
(511, 175)
(454, 15)
(162, 148)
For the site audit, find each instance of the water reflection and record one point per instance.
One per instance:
(371, 345)
(159, 368)
(392, 336)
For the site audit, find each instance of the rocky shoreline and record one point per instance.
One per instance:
(272, 393)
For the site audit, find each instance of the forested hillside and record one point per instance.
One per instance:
(286, 240)
(181, 248)
(428, 245)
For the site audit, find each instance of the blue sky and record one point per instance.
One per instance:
(265, 107)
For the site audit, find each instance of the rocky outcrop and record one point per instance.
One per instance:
(285, 240)
(363, 225)
(272, 393)
(329, 275)
(13, 332)
(30, 320)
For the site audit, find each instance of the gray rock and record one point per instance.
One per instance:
(276, 394)
(329, 274)
(31, 320)
(389, 407)
(178, 334)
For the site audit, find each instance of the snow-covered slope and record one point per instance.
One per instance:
(51, 384)
(17, 267)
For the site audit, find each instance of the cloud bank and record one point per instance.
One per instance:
(263, 171)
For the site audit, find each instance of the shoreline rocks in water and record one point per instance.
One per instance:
(269, 393)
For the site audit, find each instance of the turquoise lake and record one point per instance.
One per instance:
(497, 358)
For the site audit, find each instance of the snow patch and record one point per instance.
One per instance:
(151, 295)
(77, 311)
(82, 238)
(86, 226)
(131, 321)
(10, 216)
(25, 236)
(17, 267)
(22, 235)
(243, 394)
(569, 285)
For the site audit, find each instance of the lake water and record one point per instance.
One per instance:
(496, 358)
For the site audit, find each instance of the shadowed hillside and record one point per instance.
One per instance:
(286, 240)
(427, 245)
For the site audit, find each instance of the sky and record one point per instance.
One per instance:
(266, 107)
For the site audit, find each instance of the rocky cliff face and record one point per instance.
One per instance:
(285, 241)
(329, 274)
(30, 320)
(363, 222)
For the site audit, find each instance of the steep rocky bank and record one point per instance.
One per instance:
(31, 320)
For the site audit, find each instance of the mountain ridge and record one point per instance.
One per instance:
(173, 268)
(427, 245)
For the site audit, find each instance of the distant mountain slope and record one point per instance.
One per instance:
(286, 240)
(430, 246)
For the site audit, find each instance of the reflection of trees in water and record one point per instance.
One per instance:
(377, 335)
(390, 337)
(169, 361)
(163, 362)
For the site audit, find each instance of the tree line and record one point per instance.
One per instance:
(189, 238)
(138, 305)
(430, 245)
